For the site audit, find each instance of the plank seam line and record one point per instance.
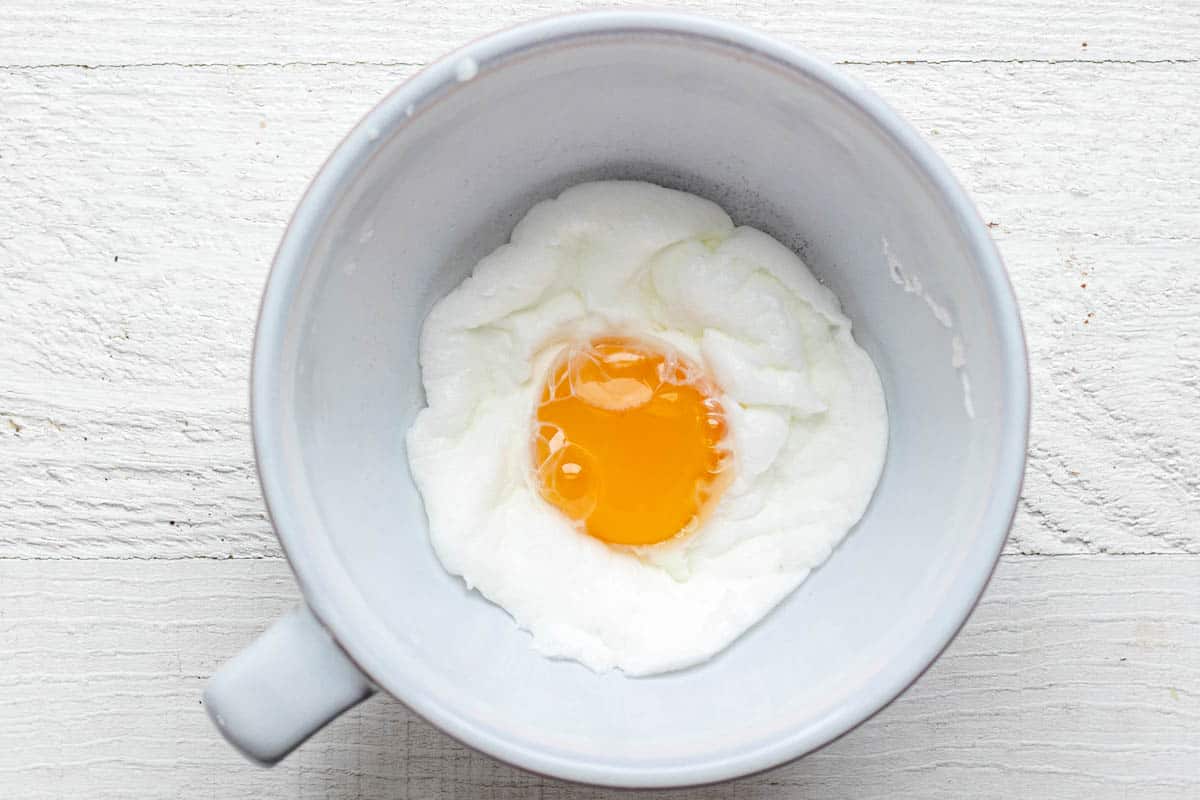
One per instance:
(8, 559)
(210, 64)
(845, 62)
(1051, 61)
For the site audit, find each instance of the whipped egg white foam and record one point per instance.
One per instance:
(803, 403)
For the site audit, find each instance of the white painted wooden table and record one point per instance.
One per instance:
(150, 153)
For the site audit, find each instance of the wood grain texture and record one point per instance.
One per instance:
(110, 32)
(1070, 680)
(139, 209)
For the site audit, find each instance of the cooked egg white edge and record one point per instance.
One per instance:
(806, 414)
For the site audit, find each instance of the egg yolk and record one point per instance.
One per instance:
(629, 441)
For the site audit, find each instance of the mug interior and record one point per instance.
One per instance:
(434, 179)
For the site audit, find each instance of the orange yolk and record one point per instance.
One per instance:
(629, 441)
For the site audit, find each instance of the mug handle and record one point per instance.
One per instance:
(283, 688)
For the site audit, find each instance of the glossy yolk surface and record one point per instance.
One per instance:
(628, 441)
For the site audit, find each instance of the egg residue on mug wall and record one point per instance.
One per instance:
(793, 408)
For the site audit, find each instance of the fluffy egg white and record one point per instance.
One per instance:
(807, 424)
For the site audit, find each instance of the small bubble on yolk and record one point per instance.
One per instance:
(629, 441)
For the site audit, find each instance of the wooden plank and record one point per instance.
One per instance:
(109, 32)
(133, 245)
(1076, 676)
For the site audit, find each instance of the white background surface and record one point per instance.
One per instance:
(150, 154)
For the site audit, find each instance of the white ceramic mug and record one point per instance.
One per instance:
(433, 179)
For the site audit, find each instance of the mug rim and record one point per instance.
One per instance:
(329, 590)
